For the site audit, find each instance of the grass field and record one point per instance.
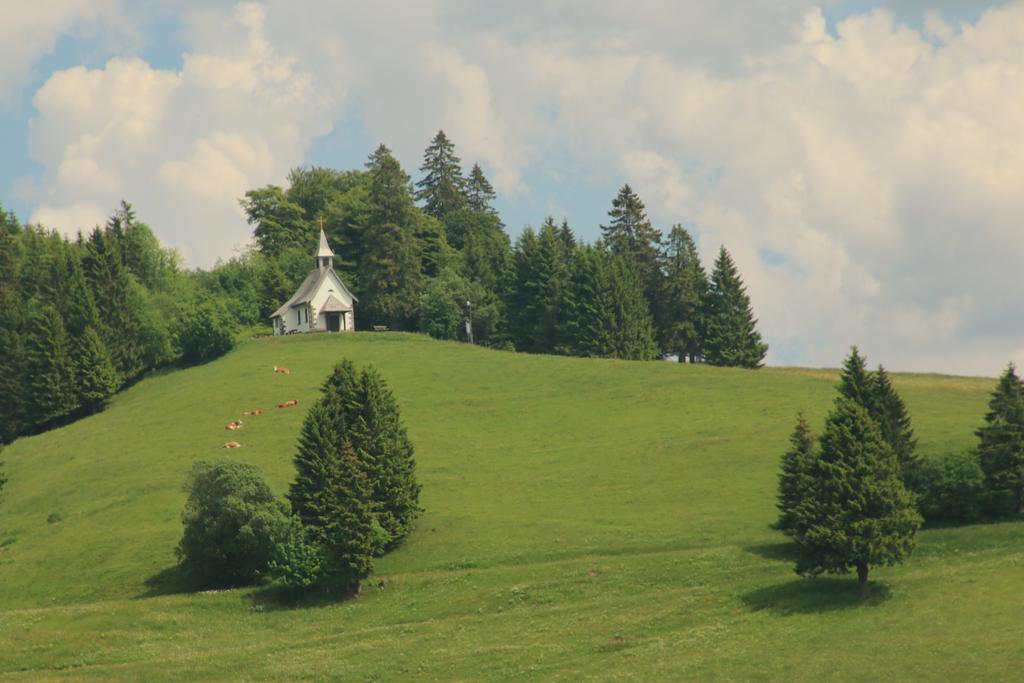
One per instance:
(585, 519)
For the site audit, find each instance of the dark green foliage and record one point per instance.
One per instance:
(204, 331)
(856, 382)
(681, 302)
(629, 233)
(1001, 447)
(444, 311)
(96, 380)
(355, 464)
(479, 192)
(631, 332)
(296, 563)
(731, 337)
(232, 524)
(857, 513)
(540, 273)
(891, 413)
(111, 287)
(950, 487)
(587, 316)
(12, 391)
(442, 188)
(49, 379)
(280, 223)
(794, 482)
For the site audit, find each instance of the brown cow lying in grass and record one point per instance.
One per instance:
(288, 404)
(234, 424)
(254, 411)
(232, 444)
(282, 371)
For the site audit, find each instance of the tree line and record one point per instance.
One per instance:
(84, 317)
(855, 497)
(434, 254)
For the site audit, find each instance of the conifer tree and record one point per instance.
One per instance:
(318, 446)
(479, 191)
(348, 536)
(96, 379)
(540, 271)
(630, 234)
(681, 319)
(120, 320)
(1001, 448)
(48, 378)
(442, 188)
(381, 443)
(891, 413)
(731, 337)
(794, 482)
(857, 383)
(856, 513)
(586, 308)
(631, 333)
(12, 394)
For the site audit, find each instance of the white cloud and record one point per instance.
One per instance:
(880, 166)
(183, 146)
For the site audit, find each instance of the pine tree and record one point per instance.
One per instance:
(856, 513)
(891, 413)
(1001, 451)
(12, 392)
(96, 379)
(48, 378)
(681, 319)
(794, 483)
(442, 187)
(731, 337)
(587, 307)
(857, 383)
(479, 191)
(348, 535)
(121, 324)
(381, 443)
(630, 234)
(631, 333)
(318, 447)
(540, 272)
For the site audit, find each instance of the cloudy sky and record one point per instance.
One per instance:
(863, 162)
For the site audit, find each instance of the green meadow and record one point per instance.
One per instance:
(584, 519)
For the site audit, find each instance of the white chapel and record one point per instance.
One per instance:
(321, 304)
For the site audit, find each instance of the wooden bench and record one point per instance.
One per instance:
(380, 328)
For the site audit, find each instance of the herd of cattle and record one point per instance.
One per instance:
(238, 424)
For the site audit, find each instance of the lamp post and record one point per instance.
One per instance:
(469, 321)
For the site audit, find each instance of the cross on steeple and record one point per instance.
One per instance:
(321, 222)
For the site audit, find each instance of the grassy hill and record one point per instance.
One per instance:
(584, 519)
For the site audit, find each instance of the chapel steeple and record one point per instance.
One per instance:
(324, 255)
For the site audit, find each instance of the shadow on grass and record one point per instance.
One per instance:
(170, 581)
(782, 552)
(809, 596)
(274, 598)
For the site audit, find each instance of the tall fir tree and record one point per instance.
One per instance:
(12, 391)
(631, 333)
(349, 534)
(442, 188)
(318, 446)
(479, 191)
(856, 513)
(856, 382)
(48, 379)
(1001, 447)
(540, 273)
(391, 269)
(794, 476)
(731, 337)
(120, 319)
(629, 234)
(96, 380)
(894, 421)
(684, 290)
(587, 311)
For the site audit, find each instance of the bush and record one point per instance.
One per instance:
(204, 332)
(297, 563)
(950, 487)
(233, 524)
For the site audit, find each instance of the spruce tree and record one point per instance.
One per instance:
(540, 272)
(96, 379)
(1001, 448)
(794, 482)
(685, 287)
(856, 513)
(48, 379)
(381, 443)
(442, 188)
(12, 392)
(587, 316)
(629, 234)
(121, 324)
(731, 337)
(894, 421)
(857, 383)
(631, 333)
(308, 494)
(479, 191)
(349, 534)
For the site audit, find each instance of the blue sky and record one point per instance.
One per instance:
(860, 160)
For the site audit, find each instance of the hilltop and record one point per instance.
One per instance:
(584, 518)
